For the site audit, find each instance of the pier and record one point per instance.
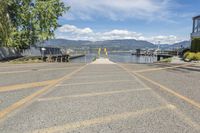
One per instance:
(159, 54)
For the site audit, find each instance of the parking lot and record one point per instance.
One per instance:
(90, 98)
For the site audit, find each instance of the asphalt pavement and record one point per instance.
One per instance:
(99, 98)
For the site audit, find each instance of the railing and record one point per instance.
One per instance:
(166, 53)
(155, 53)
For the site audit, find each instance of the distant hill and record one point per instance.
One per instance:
(124, 44)
(127, 44)
(184, 44)
(67, 43)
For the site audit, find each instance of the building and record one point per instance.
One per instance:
(196, 27)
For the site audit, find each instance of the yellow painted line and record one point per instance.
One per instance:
(35, 69)
(92, 94)
(38, 65)
(25, 86)
(180, 114)
(193, 67)
(18, 104)
(143, 84)
(9, 72)
(163, 68)
(98, 82)
(21, 102)
(186, 99)
(101, 120)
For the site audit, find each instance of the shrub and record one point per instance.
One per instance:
(195, 46)
(197, 56)
(184, 51)
(189, 56)
(186, 54)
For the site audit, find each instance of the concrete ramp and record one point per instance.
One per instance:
(102, 61)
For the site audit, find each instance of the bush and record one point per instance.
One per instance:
(184, 51)
(189, 56)
(197, 56)
(186, 54)
(195, 46)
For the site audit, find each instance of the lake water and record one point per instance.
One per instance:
(117, 57)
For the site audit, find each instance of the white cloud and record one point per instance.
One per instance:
(73, 33)
(74, 29)
(118, 34)
(170, 39)
(118, 9)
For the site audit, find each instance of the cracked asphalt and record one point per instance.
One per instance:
(100, 98)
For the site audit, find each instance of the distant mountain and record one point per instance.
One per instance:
(127, 44)
(184, 44)
(124, 44)
(64, 42)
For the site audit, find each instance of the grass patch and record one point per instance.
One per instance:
(36, 59)
(94, 58)
(167, 60)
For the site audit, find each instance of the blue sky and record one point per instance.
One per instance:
(167, 21)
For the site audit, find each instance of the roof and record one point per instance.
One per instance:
(196, 17)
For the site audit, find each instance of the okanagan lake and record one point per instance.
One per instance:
(117, 57)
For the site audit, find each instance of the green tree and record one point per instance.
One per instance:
(29, 21)
(5, 24)
(47, 13)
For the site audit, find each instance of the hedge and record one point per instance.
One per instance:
(195, 46)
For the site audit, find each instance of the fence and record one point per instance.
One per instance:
(37, 51)
(9, 53)
(12, 53)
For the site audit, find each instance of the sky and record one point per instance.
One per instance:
(156, 21)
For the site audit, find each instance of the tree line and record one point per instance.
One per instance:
(27, 22)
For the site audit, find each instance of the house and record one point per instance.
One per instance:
(196, 27)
